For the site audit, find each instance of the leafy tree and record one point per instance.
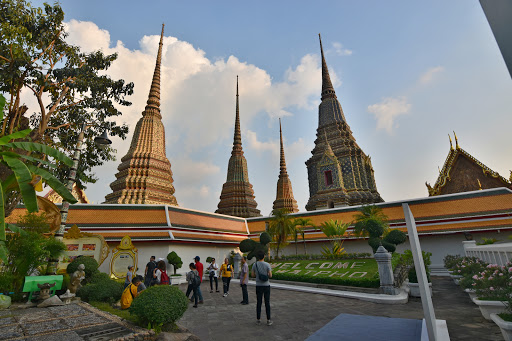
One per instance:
(303, 223)
(69, 86)
(372, 222)
(252, 247)
(25, 177)
(37, 222)
(175, 261)
(280, 228)
(335, 231)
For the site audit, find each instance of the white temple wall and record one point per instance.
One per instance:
(186, 252)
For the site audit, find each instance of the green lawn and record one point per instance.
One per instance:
(351, 272)
(114, 311)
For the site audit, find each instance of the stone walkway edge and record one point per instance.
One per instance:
(401, 298)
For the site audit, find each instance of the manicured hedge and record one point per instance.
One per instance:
(357, 255)
(353, 282)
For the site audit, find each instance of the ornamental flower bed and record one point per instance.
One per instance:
(468, 267)
(494, 282)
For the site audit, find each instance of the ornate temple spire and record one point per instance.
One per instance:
(153, 103)
(145, 175)
(237, 139)
(237, 196)
(327, 88)
(335, 138)
(284, 195)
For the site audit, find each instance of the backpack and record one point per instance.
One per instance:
(164, 278)
(261, 277)
(196, 281)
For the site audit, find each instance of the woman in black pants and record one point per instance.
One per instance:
(226, 272)
(212, 269)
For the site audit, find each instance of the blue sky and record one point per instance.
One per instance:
(407, 74)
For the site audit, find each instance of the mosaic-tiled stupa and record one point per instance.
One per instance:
(144, 175)
(284, 196)
(237, 196)
(353, 170)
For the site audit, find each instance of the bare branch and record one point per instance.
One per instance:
(58, 127)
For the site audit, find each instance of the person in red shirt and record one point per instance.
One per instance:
(199, 267)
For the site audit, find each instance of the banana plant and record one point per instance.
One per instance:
(26, 177)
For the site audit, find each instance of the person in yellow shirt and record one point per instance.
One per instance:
(226, 272)
(129, 293)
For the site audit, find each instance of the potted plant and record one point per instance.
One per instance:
(176, 263)
(413, 278)
(468, 267)
(492, 289)
(504, 320)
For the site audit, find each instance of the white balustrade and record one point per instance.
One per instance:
(499, 254)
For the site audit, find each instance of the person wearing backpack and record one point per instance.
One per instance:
(200, 270)
(148, 273)
(129, 293)
(193, 281)
(262, 271)
(160, 274)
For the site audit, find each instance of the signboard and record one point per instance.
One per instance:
(84, 244)
(123, 256)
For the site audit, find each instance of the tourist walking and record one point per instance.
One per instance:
(212, 270)
(148, 273)
(160, 273)
(200, 270)
(193, 280)
(226, 273)
(244, 280)
(129, 293)
(262, 271)
(129, 276)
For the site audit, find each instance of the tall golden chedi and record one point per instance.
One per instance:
(145, 175)
(237, 196)
(284, 196)
(339, 172)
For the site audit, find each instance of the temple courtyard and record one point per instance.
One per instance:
(298, 315)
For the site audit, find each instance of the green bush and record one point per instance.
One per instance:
(159, 305)
(412, 272)
(174, 260)
(91, 266)
(101, 289)
(451, 260)
(353, 282)
(356, 255)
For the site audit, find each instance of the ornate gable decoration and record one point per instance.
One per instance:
(446, 174)
(77, 192)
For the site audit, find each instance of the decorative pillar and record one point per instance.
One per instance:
(383, 258)
(236, 265)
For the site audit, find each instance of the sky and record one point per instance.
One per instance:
(406, 73)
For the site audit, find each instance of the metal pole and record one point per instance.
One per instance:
(71, 181)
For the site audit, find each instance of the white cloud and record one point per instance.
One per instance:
(340, 51)
(429, 75)
(191, 172)
(260, 146)
(388, 110)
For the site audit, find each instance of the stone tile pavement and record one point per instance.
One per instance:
(297, 315)
(62, 323)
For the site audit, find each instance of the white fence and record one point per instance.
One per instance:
(499, 254)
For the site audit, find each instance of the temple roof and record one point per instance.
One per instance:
(77, 192)
(477, 211)
(462, 172)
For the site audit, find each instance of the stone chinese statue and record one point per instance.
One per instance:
(76, 278)
(45, 290)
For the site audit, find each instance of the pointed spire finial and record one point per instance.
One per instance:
(456, 141)
(153, 103)
(479, 184)
(282, 163)
(237, 141)
(327, 88)
(451, 145)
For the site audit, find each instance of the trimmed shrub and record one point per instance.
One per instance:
(159, 305)
(101, 289)
(353, 282)
(91, 266)
(395, 237)
(175, 261)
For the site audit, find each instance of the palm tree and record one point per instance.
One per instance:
(368, 218)
(335, 231)
(302, 222)
(280, 228)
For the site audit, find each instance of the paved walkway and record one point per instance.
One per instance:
(72, 322)
(297, 315)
